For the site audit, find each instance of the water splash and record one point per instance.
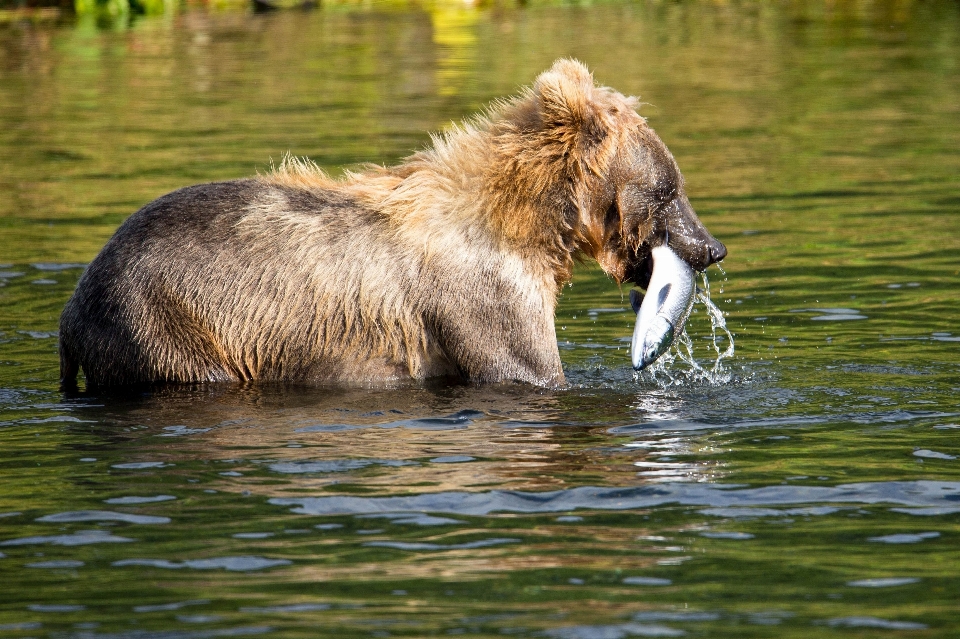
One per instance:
(661, 373)
(717, 322)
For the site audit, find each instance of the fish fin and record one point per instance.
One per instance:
(662, 297)
(636, 299)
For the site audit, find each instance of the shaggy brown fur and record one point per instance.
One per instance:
(448, 264)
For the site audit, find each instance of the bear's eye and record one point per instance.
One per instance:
(665, 191)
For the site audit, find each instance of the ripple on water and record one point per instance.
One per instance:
(832, 314)
(414, 519)
(23, 625)
(614, 631)
(140, 465)
(727, 535)
(524, 423)
(176, 605)
(56, 607)
(102, 515)
(456, 421)
(932, 454)
(874, 622)
(904, 538)
(61, 563)
(199, 618)
(883, 582)
(180, 431)
(79, 538)
(239, 564)
(930, 511)
(39, 334)
(288, 608)
(57, 266)
(126, 501)
(750, 513)
(57, 419)
(407, 545)
(240, 631)
(676, 615)
(920, 493)
(769, 618)
(647, 581)
(671, 425)
(333, 465)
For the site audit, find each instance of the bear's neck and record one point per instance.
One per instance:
(468, 185)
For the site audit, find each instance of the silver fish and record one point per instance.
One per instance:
(665, 308)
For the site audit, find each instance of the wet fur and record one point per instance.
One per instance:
(448, 264)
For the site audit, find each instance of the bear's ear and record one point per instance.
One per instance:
(565, 97)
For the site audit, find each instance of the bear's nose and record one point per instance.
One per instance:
(717, 251)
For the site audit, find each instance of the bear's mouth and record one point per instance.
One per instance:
(642, 271)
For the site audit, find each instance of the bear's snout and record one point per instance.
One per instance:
(689, 238)
(717, 251)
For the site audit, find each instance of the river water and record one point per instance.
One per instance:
(810, 487)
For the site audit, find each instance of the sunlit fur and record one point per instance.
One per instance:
(448, 264)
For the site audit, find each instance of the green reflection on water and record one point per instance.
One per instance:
(819, 142)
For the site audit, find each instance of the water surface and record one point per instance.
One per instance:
(810, 488)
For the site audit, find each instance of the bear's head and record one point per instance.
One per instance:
(619, 187)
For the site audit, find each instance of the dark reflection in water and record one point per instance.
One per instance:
(811, 488)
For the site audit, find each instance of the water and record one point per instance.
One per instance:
(808, 487)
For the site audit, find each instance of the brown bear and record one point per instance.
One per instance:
(448, 264)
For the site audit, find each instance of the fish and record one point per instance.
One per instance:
(664, 309)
